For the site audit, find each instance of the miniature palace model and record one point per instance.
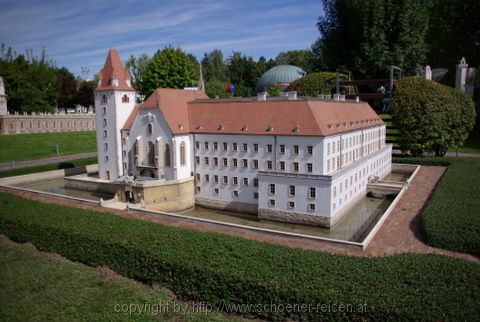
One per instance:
(287, 158)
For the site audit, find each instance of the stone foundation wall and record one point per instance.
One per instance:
(90, 185)
(41, 123)
(294, 218)
(224, 205)
(168, 196)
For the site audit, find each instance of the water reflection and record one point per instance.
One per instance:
(58, 187)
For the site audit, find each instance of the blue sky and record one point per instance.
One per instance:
(79, 33)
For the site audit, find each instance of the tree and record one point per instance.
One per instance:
(216, 89)
(84, 95)
(214, 67)
(368, 35)
(316, 84)
(67, 87)
(136, 67)
(430, 116)
(301, 58)
(243, 73)
(168, 68)
(274, 90)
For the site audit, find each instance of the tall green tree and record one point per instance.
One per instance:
(168, 68)
(214, 67)
(243, 73)
(67, 87)
(302, 58)
(368, 35)
(136, 67)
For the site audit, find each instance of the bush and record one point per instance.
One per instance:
(224, 270)
(316, 83)
(430, 116)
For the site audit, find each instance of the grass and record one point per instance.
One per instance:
(451, 219)
(49, 167)
(470, 146)
(219, 269)
(43, 287)
(21, 147)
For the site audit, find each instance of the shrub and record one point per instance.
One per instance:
(315, 84)
(224, 270)
(430, 116)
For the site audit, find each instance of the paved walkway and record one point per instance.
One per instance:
(37, 162)
(448, 154)
(399, 233)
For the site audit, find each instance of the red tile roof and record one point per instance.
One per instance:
(172, 103)
(189, 112)
(309, 117)
(113, 69)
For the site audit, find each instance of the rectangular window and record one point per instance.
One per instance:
(269, 165)
(235, 180)
(328, 149)
(207, 178)
(269, 148)
(198, 189)
(104, 122)
(225, 179)
(255, 164)
(309, 167)
(271, 202)
(272, 189)
(207, 161)
(235, 162)
(311, 207)
(255, 195)
(295, 149)
(328, 165)
(282, 148)
(197, 160)
(282, 165)
(295, 166)
(225, 146)
(106, 146)
(235, 193)
(225, 162)
(198, 177)
(215, 145)
(215, 178)
(215, 161)
(245, 147)
(197, 145)
(245, 163)
(106, 158)
(333, 147)
(255, 147)
(205, 145)
(245, 181)
(312, 192)
(291, 191)
(104, 133)
(255, 182)
(309, 149)
(215, 191)
(234, 146)
(291, 204)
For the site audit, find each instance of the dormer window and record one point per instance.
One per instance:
(125, 99)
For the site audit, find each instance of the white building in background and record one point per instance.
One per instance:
(289, 158)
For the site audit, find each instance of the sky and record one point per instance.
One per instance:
(77, 34)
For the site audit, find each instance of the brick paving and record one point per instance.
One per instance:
(398, 234)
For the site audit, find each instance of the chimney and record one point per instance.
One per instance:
(262, 96)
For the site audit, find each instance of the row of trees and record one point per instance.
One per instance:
(171, 67)
(34, 84)
(368, 35)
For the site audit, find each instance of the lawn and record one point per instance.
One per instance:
(49, 167)
(225, 270)
(451, 219)
(470, 146)
(21, 147)
(38, 286)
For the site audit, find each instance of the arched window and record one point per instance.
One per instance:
(125, 99)
(135, 148)
(149, 129)
(151, 153)
(104, 99)
(182, 153)
(167, 155)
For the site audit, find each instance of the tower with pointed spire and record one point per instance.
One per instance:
(201, 84)
(114, 101)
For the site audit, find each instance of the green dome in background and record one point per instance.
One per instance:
(281, 74)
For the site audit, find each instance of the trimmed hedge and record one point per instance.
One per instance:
(219, 269)
(315, 84)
